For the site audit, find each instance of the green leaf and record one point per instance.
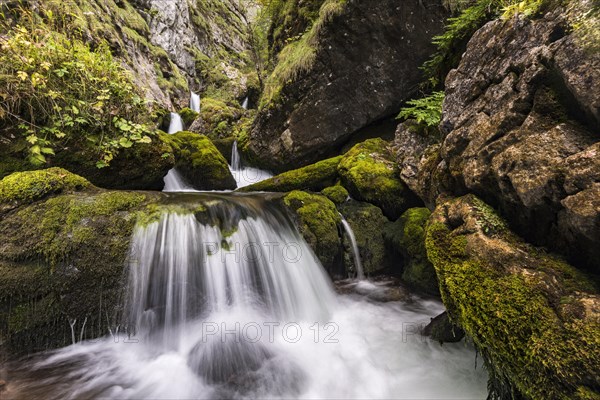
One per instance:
(101, 164)
(125, 142)
(47, 150)
(32, 139)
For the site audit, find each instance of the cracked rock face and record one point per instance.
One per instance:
(522, 120)
(373, 47)
(172, 29)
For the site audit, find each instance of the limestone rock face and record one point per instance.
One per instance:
(373, 47)
(521, 131)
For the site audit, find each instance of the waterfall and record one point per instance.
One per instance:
(176, 124)
(245, 103)
(245, 176)
(195, 102)
(360, 274)
(224, 299)
(236, 164)
(174, 182)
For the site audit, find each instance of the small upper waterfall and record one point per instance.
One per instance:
(360, 274)
(245, 103)
(236, 163)
(174, 182)
(176, 124)
(245, 176)
(195, 102)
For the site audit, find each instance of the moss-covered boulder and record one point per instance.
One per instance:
(315, 177)
(318, 222)
(200, 162)
(367, 222)
(62, 259)
(406, 236)
(30, 186)
(140, 167)
(370, 174)
(338, 194)
(188, 116)
(217, 118)
(533, 317)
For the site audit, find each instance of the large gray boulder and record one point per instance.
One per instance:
(373, 47)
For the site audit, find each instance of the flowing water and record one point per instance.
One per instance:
(243, 175)
(176, 124)
(195, 102)
(174, 182)
(245, 103)
(360, 274)
(225, 299)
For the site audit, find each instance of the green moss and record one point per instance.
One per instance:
(30, 186)
(370, 174)
(220, 118)
(338, 194)
(505, 297)
(298, 56)
(314, 177)
(200, 162)
(407, 237)
(366, 221)
(318, 221)
(188, 116)
(62, 260)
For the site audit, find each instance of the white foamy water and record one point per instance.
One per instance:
(174, 182)
(176, 124)
(360, 274)
(195, 102)
(232, 303)
(245, 176)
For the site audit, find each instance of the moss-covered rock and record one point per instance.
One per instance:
(406, 236)
(140, 167)
(367, 222)
(26, 187)
(318, 221)
(188, 116)
(200, 162)
(533, 317)
(338, 194)
(370, 174)
(61, 261)
(218, 119)
(314, 177)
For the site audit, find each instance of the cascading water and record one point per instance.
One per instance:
(360, 274)
(245, 103)
(176, 124)
(195, 102)
(174, 182)
(226, 300)
(245, 176)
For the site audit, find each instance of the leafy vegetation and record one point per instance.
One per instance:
(57, 91)
(427, 110)
(473, 14)
(299, 54)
